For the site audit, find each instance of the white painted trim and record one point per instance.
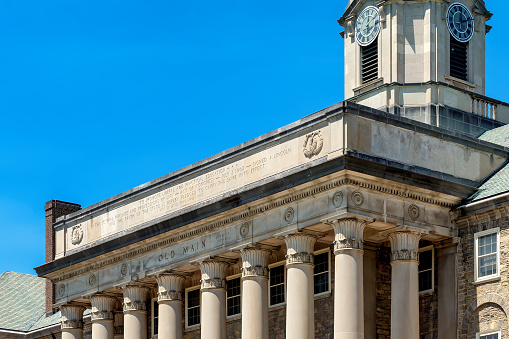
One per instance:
(476, 248)
(152, 302)
(231, 277)
(187, 290)
(480, 335)
(424, 249)
(327, 249)
(276, 264)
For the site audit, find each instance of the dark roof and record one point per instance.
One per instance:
(499, 182)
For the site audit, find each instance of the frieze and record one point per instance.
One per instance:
(169, 296)
(405, 255)
(213, 283)
(246, 214)
(71, 324)
(299, 258)
(102, 315)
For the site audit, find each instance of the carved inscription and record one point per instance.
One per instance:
(180, 195)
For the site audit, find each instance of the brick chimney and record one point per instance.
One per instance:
(54, 209)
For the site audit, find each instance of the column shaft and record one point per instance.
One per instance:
(135, 312)
(404, 282)
(448, 292)
(348, 279)
(170, 306)
(213, 299)
(255, 289)
(300, 308)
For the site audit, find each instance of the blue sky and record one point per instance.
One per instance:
(98, 97)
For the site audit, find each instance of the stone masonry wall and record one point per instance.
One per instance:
(482, 306)
(383, 293)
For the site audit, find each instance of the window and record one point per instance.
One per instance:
(277, 285)
(233, 296)
(487, 254)
(458, 57)
(193, 306)
(426, 269)
(321, 272)
(369, 62)
(493, 335)
(155, 316)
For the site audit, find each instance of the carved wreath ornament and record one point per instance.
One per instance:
(76, 234)
(313, 144)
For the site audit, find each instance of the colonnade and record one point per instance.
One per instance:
(348, 292)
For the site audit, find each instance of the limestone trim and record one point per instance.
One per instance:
(71, 316)
(213, 274)
(249, 213)
(255, 262)
(135, 298)
(299, 248)
(349, 234)
(492, 298)
(404, 243)
(102, 307)
(170, 287)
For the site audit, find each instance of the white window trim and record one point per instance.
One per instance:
(479, 334)
(476, 249)
(329, 271)
(152, 304)
(238, 314)
(279, 263)
(190, 289)
(424, 249)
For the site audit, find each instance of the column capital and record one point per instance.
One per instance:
(348, 234)
(135, 298)
(299, 248)
(213, 273)
(102, 306)
(71, 316)
(255, 261)
(405, 242)
(169, 287)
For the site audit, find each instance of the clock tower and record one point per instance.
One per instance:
(422, 59)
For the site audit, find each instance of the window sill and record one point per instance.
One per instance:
(233, 317)
(322, 295)
(427, 292)
(487, 280)
(277, 307)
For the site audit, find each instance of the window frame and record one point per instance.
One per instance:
(479, 335)
(153, 302)
(187, 290)
(240, 295)
(425, 249)
(276, 264)
(476, 256)
(327, 249)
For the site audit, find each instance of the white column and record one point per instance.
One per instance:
(213, 299)
(255, 289)
(300, 308)
(404, 282)
(169, 297)
(135, 312)
(348, 279)
(71, 321)
(102, 316)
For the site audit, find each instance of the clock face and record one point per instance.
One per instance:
(460, 22)
(367, 26)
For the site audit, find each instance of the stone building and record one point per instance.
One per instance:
(383, 216)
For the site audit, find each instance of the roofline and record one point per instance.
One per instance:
(344, 107)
